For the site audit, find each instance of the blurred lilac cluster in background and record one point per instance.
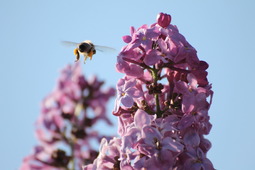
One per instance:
(65, 127)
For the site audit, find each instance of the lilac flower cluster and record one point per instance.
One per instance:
(65, 126)
(162, 104)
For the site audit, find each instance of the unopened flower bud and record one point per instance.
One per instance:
(127, 38)
(163, 19)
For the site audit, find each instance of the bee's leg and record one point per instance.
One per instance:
(85, 58)
(77, 57)
(76, 53)
(90, 54)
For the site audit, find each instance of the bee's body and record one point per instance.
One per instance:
(87, 49)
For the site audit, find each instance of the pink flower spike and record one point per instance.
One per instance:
(163, 19)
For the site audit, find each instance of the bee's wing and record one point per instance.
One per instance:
(104, 48)
(70, 43)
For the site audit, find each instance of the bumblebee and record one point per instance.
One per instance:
(87, 49)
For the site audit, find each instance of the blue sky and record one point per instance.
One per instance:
(32, 55)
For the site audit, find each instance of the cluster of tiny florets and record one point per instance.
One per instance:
(65, 127)
(162, 104)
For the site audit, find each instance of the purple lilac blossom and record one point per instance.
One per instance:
(163, 127)
(65, 125)
(126, 91)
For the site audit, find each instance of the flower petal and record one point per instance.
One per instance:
(182, 87)
(130, 83)
(134, 92)
(192, 80)
(116, 105)
(127, 101)
(141, 118)
(152, 57)
(191, 138)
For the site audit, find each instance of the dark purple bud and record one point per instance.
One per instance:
(82, 82)
(79, 133)
(127, 38)
(163, 19)
(203, 65)
(67, 115)
(60, 158)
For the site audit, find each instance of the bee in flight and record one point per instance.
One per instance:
(87, 49)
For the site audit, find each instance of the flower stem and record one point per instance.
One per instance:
(70, 142)
(73, 157)
(158, 112)
(154, 72)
